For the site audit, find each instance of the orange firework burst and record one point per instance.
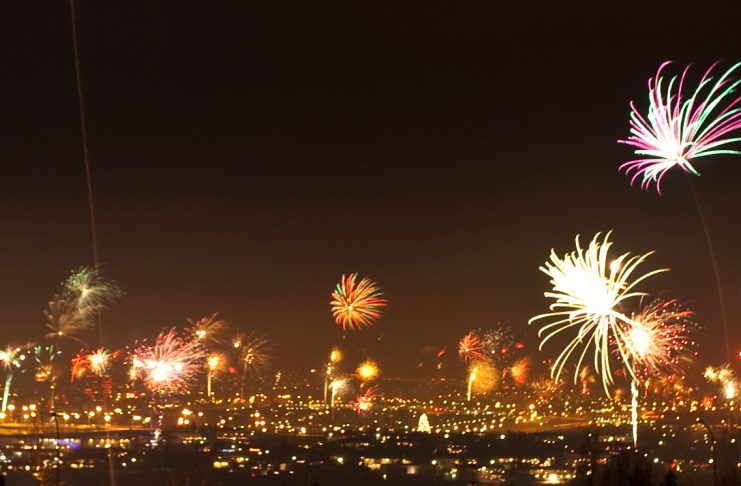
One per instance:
(364, 401)
(99, 361)
(662, 339)
(483, 377)
(367, 370)
(471, 348)
(519, 370)
(78, 365)
(96, 362)
(356, 305)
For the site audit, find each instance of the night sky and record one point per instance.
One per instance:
(245, 156)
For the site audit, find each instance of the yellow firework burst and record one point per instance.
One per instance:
(589, 290)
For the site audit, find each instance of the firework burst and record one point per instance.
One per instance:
(586, 379)
(364, 402)
(10, 358)
(45, 357)
(90, 291)
(678, 130)
(471, 348)
(253, 352)
(356, 304)
(720, 374)
(208, 329)
(724, 376)
(78, 365)
(367, 370)
(519, 371)
(545, 387)
(661, 341)
(498, 342)
(483, 377)
(171, 364)
(99, 361)
(588, 292)
(63, 320)
(335, 356)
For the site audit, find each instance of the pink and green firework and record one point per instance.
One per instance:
(680, 129)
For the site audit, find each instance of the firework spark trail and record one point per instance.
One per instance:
(634, 411)
(214, 364)
(588, 292)
(171, 364)
(679, 130)
(9, 357)
(336, 386)
(335, 356)
(356, 305)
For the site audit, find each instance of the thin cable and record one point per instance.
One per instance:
(83, 132)
(90, 199)
(85, 150)
(714, 262)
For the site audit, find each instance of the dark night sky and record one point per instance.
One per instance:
(245, 156)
